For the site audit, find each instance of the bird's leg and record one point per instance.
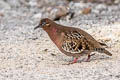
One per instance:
(74, 61)
(88, 59)
(88, 53)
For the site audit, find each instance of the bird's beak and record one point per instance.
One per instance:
(39, 26)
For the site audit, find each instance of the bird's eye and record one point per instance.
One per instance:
(45, 24)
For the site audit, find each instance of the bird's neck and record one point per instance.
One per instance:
(54, 35)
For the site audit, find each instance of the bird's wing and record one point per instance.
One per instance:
(74, 42)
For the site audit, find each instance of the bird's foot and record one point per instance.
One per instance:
(88, 59)
(74, 61)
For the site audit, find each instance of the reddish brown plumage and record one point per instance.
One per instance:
(71, 41)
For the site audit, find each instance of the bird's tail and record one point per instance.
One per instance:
(103, 50)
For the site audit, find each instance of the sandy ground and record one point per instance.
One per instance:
(26, 54)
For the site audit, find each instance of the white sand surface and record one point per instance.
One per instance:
(22, 58)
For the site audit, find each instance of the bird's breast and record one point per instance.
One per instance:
(55, 38)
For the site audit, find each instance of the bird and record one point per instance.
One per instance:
(71, 41)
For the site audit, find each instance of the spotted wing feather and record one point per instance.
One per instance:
(74, 42)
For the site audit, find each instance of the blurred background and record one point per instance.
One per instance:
(27, 54)
(97, 10)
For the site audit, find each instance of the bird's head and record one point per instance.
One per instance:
(45, 24)
(53, 29)
(48, 25)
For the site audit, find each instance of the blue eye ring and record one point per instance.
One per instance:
(43, 23)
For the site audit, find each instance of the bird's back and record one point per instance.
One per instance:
(84, 35)
(77, 41)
